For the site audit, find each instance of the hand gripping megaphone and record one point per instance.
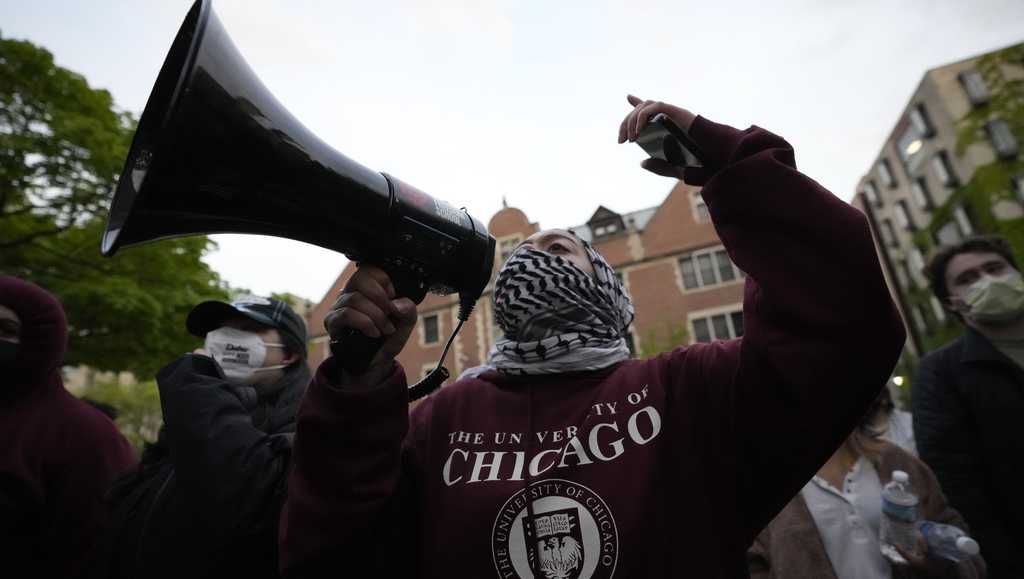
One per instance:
(215, 152)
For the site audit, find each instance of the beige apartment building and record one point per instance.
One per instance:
(949, 169)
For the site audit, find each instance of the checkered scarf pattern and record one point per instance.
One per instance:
(556, 318)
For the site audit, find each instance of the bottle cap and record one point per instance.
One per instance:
(968, 546)
(900, 476)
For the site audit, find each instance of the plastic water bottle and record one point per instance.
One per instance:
(899, 512)
(947, 541)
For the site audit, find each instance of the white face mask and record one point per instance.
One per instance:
(996, 300)
(239, 353)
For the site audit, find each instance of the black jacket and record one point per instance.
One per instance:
(968, 401)
(206, 498)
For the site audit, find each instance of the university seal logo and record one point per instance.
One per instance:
(565, 532)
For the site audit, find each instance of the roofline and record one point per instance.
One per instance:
(974, 57)
(622, 215)
(891, 135)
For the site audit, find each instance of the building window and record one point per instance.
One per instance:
(736, 319)
(700, 209)
(726, 270)
(948, 234)
(1002, 138)
(889, 234)
(975, 87)
(923, 197)
(938, 310)
(724, 326)
(506, 247)
(944, 169)
(963, 221)
(921, 121)
(903, 215)
(910, 147)
(885, 172)
(885, 234)
(431, 329)
(916, 259)
(903, 273)
(707, 268)
(604, 228)
(871, 192)
(689, 274)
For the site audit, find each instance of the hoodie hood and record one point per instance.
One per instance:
(44, 334)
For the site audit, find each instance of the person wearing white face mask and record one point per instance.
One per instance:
(968, 396)
(206, 497)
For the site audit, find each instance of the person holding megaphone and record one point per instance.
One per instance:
(562, 457)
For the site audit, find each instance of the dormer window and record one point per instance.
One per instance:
(605, 222)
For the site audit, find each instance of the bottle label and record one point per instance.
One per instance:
(899, 512)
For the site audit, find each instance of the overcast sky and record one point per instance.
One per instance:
(473, 100)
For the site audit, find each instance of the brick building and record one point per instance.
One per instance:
(683, 284)
(950, 168)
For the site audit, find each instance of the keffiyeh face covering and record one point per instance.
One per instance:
(556, 318)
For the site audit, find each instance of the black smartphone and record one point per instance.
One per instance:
(663, 139)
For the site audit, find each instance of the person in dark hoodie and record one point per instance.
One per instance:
(564, 458)
(58, 455)
(206, 497)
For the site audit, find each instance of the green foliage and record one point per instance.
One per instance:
(1006, 97)
(661, 339)
(61, 148)
(138, 406)
(126, 313)
(62, 145)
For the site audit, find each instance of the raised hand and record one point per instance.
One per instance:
(637, 119)
(368, 304)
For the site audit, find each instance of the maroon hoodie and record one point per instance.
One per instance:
(667, 467)
(58, 455)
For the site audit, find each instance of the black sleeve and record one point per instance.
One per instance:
(231, 470)
(944, 442)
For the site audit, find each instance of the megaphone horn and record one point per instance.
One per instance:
(215, 152)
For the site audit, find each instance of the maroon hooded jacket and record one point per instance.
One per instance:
(666, 467)
(58, 455)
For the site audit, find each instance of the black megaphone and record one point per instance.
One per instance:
(215, 152)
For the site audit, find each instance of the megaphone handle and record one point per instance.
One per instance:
(354, 350)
